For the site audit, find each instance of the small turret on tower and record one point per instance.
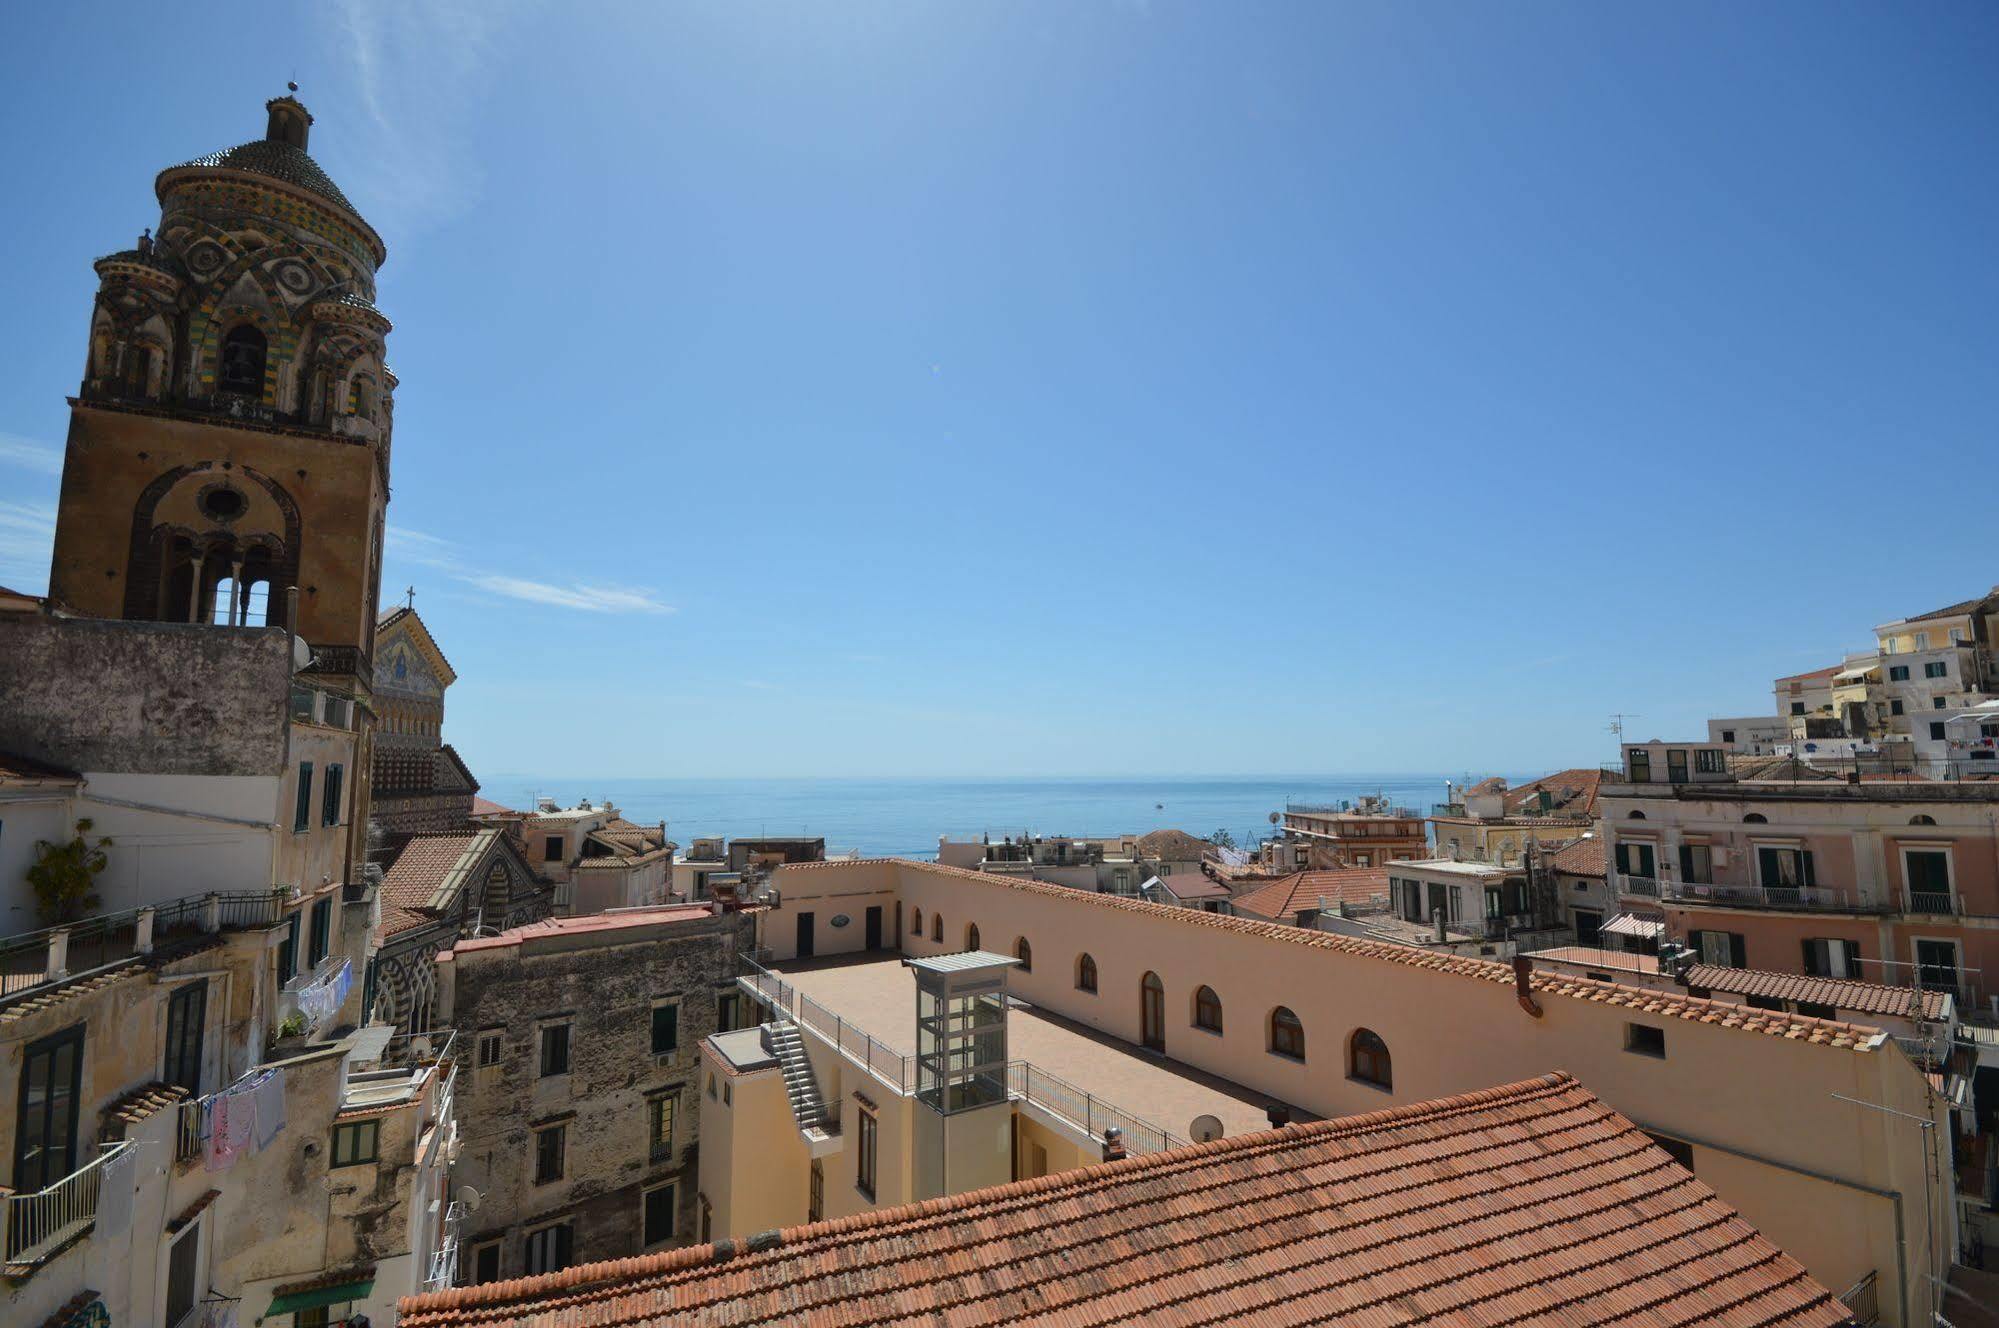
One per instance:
(290, 121)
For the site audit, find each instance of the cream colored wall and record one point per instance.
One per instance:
(319, 854)
(825, 890)
(753, 1165)
(156, 856)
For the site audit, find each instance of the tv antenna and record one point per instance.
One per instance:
(1616, 725)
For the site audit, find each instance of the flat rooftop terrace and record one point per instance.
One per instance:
(878, 994)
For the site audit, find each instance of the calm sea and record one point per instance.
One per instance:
(904, 817)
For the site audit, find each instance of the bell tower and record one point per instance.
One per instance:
(230, 439)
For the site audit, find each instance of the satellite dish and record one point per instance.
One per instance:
(470, 1197)
(301, 653)
(1275, 818)
(1205, 1129)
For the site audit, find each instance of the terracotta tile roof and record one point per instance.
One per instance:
(487, 807)
(1953, 610)
(1814, 675)
(588, 923)
(1529, 1202)
(418, 874)
(1583, 858)
(71, 1312)
(1572, 792)
(1173, 846)
(1593, 957)
(1840, 993)
(47, 998)
(1352, 885)
(1193, 885)
(1664, 1004)
(145, 1101)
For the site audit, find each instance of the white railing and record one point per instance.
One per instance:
(1647, 886)
(40, 1223)
(443, 1271)
(1752, 896)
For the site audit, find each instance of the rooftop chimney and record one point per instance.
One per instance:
(1113, 1144)
(1279, 1114)
(290, 121)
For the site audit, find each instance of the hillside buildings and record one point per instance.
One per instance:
(595, 858)
(1366, 833)
(1494, 823)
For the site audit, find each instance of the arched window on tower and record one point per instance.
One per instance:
(243, 354)
(138, 370)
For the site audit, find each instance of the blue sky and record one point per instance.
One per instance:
(1065, 387)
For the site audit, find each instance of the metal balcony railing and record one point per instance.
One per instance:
(1932, 901)
(1647, 886)
(33, 960)
(1090, 1113)
(1752, 896)
(38, 1224)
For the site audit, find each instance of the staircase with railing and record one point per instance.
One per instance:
(801, 1085)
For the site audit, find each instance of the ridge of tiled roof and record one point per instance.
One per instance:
(1306, 888)
(1669, 1005)
(1529, 1201)
(1825, 672)
(1841, 993)
(419, 873)
(1971, 605)
(1575, 788)
(449, 754)
(1585, 857)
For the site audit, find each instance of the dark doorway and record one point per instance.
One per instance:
(804, 935)
(1152, 1012)
(874, 926)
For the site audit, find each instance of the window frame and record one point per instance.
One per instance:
(302, 809)
(669, 1005)
(646, 1238)
(1087, 978)
(332, 793)
(866, 1144)
(545, 1038)
(1648, 1040)
(1379, 1069)
(543, 1175)
(661, 1107)
(1207, 1006)
(496, 1040)
(1294, 1033)
(319, 934)
(563, 1255)
(354, 1132)
(184, 1047)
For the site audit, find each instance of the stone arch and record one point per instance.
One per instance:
(162, 541)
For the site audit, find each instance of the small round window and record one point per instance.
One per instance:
(223, 503)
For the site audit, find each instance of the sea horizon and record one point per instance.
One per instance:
(905, 816)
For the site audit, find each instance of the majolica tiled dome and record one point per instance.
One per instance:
(280, 161)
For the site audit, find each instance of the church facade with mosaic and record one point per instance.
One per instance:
(422, 785)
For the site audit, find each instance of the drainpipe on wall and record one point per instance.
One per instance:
(1523, 969)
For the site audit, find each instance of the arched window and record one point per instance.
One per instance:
(1287, 1035)
(937, 927)
(243, 352)
(1367, 1059)
(1922, 820)
(138, 370)
(223, 614)
(1756, 818)
(916, 924)
(1025, 954)
(1207, 1009)
(972, 936)
(1635, 816)
(1086, 973)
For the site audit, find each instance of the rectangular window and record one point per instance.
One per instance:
(1725, 949)
(1785, 868)
(1645, 1039)
(1676, 766)
(302, 812)
(1898, 673)
(356, 1143)
(1936, 730)
(666, 1027)
(1697, 864)
(1832, 957)
(659, 1128)
(329, 810)
(729, 1012)
(864, 1156)
(548, 1249)
(554, 1050)
(1938, 703)
(1711, 760)
(707, 1218)
(1929, 876)
(288, 951)
(187, 1013)
(1641, 766)
(659, 1214)
(181, 1273)
(489, 1049)
(1935, 669)
(45, 1124)
(549, 1145)
(486, 1262)
(815, 1197)
(551, 849)
(320, 942)
(1797, 707)
(1895, 706)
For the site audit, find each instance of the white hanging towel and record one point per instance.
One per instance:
(269, 1096)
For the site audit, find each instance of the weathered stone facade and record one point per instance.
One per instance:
(602, 977)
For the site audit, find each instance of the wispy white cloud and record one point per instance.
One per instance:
(418, 70)
(29, 454)
(27, 532)
(442, 555)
